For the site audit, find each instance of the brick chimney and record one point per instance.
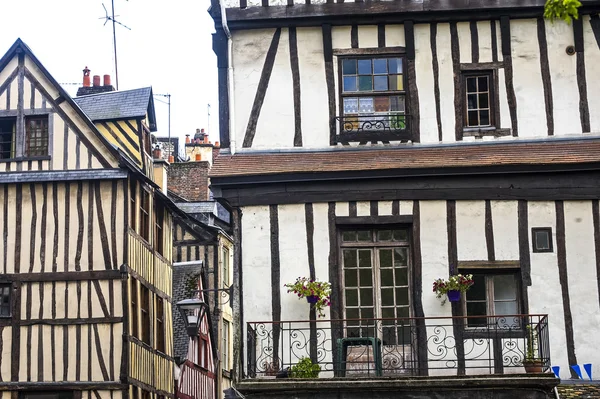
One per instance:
(189, 180)
(87, 88)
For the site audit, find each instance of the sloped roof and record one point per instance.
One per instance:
(126, 104)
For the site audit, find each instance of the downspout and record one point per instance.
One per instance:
(230, 100)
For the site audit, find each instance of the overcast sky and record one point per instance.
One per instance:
(169, 47)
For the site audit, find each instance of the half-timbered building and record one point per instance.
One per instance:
(382, 145)
(86, 248)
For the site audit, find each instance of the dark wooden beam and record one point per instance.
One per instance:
(378, 220)
(62, 276)
(61, 386)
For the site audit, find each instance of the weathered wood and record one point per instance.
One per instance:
(508, 73)
(62, 276)
(352, 211)
(596, 219)
(263, 84)
(354, 36)
(481, 66)
(417, 290)
(275, 278)
(584, 110)
(329, 79)
(296, 87)
(546, 78)
(524, 255)
(474, 42)
(381, 35)
(374, 220)
(595, 24)
(458, 100)
(489, 231)
(219, 40)
(16, 332)
(436, 77)
(489, 264)
(394, 50)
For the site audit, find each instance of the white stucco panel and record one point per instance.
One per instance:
(250, 49)
(484, 33)
(592, 71)
(505, 225)
(394, 35)
(424, 75)
(446, 80)
(363, 208)
(384, 208)
(275, 127)
(505, 122)
(367, 36)
(340, 37)
(470, 230)
(406, 207)
(313, 95)
(464, 41)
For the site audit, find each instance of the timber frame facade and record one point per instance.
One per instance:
(86, 250)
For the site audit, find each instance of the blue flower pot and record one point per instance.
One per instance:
(454, 296)
(312, 299)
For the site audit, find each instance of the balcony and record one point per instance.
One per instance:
(410, 347)
(375, 127)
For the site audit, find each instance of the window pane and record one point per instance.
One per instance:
(401, 276)
(382, 104)
(351, 313)
(477, 290)
(484, 118)
(505, 287)
(364, 67)
(349, 67)
(388, 313)
(402, 296)
(366, 313)
(350, 279)
(349, 83)
(364, 258)
(380, 66)
(501, 308)
(483, 83)
(350, 105)
(351, 300)
(366, 297)
(397, 103)
(396, 82)
(366, 278)
(476, 309)
(400, 256)
(471, 85)
(400, 235)
(364, 235)
(385, 258)
(384, 235)
(350, 258)
(381, 83)
(471, 100)
(402, 312)
(349, 236)
(473, 118)
(387, 297)
(365, 106)
(387, 277)
(542, 240)
(395, 65)
(365, 83)
(483, 100)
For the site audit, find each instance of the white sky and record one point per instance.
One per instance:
(169, 47)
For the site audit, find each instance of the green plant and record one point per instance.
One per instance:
(305, 287)
(454, 283)
(532, 345)
(565, 10)
(304, 369)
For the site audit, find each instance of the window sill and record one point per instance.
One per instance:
(23, 159)
(485, 131)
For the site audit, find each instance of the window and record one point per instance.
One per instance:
(145, 215)
(376, 282)
(133, 199)
(36, 136)
(7, 138)
(145, 308)
(5, 300)
(134, 308)
(203, 349)
(225, 349)
(493, 295)
(159, 239)
(225, 254)
(478, 99)
(542, 239)
(160, 324)
(372, 91)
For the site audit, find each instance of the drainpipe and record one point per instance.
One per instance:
(232, 140)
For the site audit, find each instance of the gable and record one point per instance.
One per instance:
(40, 126)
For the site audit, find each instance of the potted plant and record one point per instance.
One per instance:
(532, 363)
(317, 293)
(452, 287)
(305, 368)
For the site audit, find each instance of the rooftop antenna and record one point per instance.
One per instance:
(112, 19)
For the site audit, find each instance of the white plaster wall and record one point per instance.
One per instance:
(313, 95)
(367, 36)
(446, 80)
(340, 37)
(406, 207)
(275, 127)
(505, 225)
(499, 41)
(505, 122)
(321, 248)
(592, 71)
(527, 78)
(484, 32)
(394, 35)
(583, 283)
(464, 41)
(470, 230)
(424, 74)
(342, 209)
(249, 53)
(363, 208)
(545, 291)
(564, 80)
(384, 208)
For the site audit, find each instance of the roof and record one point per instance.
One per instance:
(410, 159)
(126, 104)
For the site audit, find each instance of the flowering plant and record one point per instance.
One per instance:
(454, 283)
(305, 288)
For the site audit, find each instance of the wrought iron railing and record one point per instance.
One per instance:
(373, 127)
(399, 347)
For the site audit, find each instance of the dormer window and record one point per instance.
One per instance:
(372, 98)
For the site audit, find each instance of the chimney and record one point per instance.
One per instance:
(106, 80)
(96, 80)
(86, 77)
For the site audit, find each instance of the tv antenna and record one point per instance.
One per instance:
(111, 18)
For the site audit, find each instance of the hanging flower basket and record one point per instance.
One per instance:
(317, 293)
(312, 299)
(453, 287)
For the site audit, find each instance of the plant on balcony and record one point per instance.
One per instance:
(305, 368)
(532, 363)
(453, 287)
(317, 293)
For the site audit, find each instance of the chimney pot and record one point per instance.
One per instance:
(187, 138)
(171, 159)
(201, 130)
(106, 80)
(205, 139)
(96, 80)
(217, 144)
(86, 77)
(198, 157)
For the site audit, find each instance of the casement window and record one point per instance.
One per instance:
(5, 303)
(225, 255)
(542, 239)
(225, 349)
(145, 310)
(7, 138)
(159, 220)
(134, 308)
(36, 136)
(133, 201)
(372, 97)
(376, 282)
(493, 294)
(145, 214)
(160, 324)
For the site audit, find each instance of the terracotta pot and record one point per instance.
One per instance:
(533, 366)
